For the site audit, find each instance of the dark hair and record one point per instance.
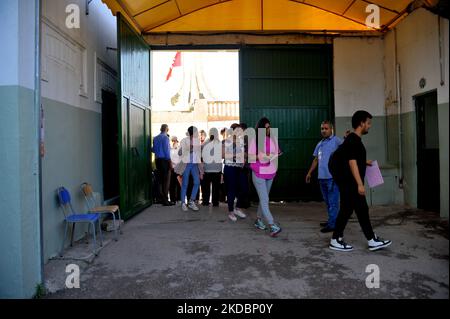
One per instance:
(243, 126)
(191, 130)
(328, 123)
(360, 117)
(164, 127)
(261, 124)
(234, 126)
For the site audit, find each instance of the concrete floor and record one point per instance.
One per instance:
(166, 253)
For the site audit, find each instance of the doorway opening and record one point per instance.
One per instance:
(428, 174)
(199, 88)
(110, 146)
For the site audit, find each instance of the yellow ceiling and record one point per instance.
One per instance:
(156, 16)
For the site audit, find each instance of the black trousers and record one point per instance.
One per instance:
(208, 180)
(175, 188)
(350, 201)
(244, 189)
(163, 169)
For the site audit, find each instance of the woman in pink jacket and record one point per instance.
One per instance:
(264, 152)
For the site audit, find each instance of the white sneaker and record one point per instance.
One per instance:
(378, 243)
(239, 213)
(340, 245)
(192, 206)
(184, 207)
(232, 217)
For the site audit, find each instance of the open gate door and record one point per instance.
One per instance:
(134, 120)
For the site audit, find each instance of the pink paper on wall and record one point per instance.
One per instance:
(373, 175)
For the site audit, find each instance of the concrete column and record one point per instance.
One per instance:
(20, 238)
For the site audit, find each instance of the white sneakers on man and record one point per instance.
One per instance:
(377, 243)
(340, 245)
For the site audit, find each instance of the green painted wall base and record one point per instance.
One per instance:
(20, 263)
(443, 154)
(73, 155)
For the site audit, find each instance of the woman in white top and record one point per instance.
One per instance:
(233, 153)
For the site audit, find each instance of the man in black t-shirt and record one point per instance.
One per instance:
(351, 187)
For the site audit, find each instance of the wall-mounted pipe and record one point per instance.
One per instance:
(37, 114)
(399, 110)
(441, 53)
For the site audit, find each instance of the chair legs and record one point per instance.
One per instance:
(64, 239)
(71, 236)
(100, 232)
(66, 228)
(115, 226)
(120, 219)
(93, 236)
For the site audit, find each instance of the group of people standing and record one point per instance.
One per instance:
(341, 167)
(184, 164)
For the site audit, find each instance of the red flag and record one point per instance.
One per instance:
(176, 62)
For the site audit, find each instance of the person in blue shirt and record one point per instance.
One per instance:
(330, 191)
(161, 148)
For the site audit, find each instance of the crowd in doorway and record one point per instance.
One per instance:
(222, 166)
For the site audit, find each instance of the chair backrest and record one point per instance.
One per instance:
(64, 201)
(88, 193)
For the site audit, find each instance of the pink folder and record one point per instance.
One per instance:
(373, 175)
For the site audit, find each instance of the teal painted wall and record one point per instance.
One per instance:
(20, 263)
(73, 155)
(409, 151)
(443, 154)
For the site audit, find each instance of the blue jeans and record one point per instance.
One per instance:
(191, 168)
(262, 187)
(330, 193)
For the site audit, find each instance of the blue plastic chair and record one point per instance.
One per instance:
(71, 217)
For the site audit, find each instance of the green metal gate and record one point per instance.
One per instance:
(134, 120)
(293, 87)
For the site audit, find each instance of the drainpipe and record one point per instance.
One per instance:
(37, 112)
(399, 110)
(441, 53)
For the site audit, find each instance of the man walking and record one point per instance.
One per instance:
(330, 191)
(349, 174)
(161, 148)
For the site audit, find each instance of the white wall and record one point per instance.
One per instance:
(17, 39)
(71, 56)
(9, 55)
(418, 55)
(358, 76)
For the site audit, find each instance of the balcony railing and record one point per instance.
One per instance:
(223, 110)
